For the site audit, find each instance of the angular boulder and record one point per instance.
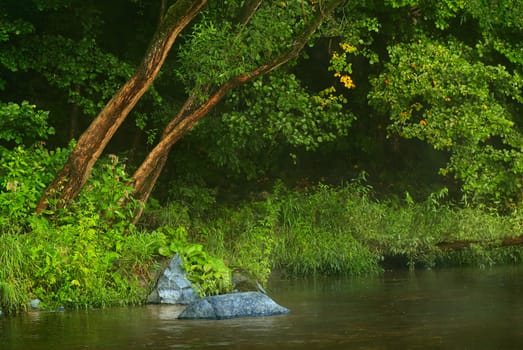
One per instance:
(246, 304)
(173, 287)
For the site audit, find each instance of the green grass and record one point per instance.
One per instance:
(14, 274)
(345, 230)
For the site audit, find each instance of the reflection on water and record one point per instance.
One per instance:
(440, 309)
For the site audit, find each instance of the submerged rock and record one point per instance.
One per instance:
(173, 287)
(246, 304)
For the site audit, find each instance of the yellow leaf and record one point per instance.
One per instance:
(75, 283)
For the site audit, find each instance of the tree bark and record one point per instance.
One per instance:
(73, 176)
(146, 175)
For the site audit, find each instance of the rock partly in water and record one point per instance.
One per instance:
(173, 287)
(246, 304)
(35, 304)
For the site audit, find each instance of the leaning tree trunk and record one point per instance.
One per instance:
(73, 176)
(146, 175)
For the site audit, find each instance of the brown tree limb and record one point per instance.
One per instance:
(146, 175)
(73, 176)
(249, 9)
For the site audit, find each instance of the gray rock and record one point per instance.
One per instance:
(173, 287)
(35, 304)
(246, 304)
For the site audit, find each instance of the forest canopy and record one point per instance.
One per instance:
(375, 80)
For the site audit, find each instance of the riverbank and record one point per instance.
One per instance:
(346, 230)
(85, 261)
(456, 308)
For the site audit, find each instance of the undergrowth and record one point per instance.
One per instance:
(89, 255)
(345, 230)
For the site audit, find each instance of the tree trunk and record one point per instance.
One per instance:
(146, 175)
(73, 176)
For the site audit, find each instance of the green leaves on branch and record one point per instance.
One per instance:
(285, 111)
(24, 174)
(11, 28)
(89, 75)
(440, 93)
(23, 123)
(440, 13)
(271, 113)
(218, 49)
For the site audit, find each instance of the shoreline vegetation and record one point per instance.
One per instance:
(229, 131)
(82, 260)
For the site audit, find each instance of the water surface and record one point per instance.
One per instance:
(435, 309)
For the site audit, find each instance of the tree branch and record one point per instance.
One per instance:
(186, 121)
(248, 10)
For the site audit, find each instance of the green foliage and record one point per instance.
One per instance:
(10, 28)
(300, 233)
(108, 192)
(74, 259)
(440, 94)
(501, 27)
(317, 238)
(88, 75)
(71, 260)
(74, 265)
(218, 48)
(23, 123)
(209, 275)
(439, 13)
(411, 231)
(88, 255)
(344, 230)
(273, 113)
(24, 174)
(14, 274)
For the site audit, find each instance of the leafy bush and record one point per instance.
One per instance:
(74, 258)
(23, 123)
(209, 275)
(74, 265)
(24, 173)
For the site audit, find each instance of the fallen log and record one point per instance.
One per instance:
(464, 244)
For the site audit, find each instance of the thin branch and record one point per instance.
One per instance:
(248, 10)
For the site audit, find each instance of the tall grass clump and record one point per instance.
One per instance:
(345, 230)
(315, 234)
(298, 233)
(14, 274)
(414, 232)
(243, 236)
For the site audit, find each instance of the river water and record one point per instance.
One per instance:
(430, 309)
